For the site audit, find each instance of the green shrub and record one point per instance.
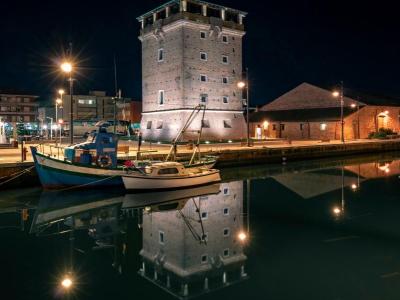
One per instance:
(381, 134)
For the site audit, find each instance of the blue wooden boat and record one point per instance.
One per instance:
(89, 164)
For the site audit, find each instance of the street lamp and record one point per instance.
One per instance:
(61, 92)
(340, 94)
(66, 67)
(51, 127)
(58, 102)
(241, 85)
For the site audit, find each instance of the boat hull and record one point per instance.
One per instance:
(143, 182)
(54, 173)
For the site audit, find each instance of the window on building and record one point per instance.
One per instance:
(205, 124)
(226, 252)
(225, 99)
(225, 80)
(226, 191)
(148, 126)
(27, 109)
(224, 59)
(26, 100)
(204, 258)
(203, 34)
(226, 211)
(80, 101)
(161, 237)
(4, 108)
(13, 108)
(204, 215)
(227, 124)
(159, 125)
(160, 97)
(273, 126)
(27, 118)
(323, 126)
(203, 56)
(226, 231)
(301, 126)
(225, 39)
(203, 98)
(203, 78)
(282, 126)
(160, 54)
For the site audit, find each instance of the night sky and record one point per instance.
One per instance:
(287, 42)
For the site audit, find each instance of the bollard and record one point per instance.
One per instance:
(22, 150)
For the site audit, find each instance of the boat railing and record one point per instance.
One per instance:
(55, 151)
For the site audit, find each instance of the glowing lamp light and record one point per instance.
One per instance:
(66, 67)
(386, 112)
(58, 101)
(241, 84)
(44, 126)
(242, 236)
(353, 105)
(335, 94)
(337, 210)
(61, 92)
(229, 141)
(387, 170)
(207, 142)
(60, 121)
(66, 283)
(265, 124)
(354, 186)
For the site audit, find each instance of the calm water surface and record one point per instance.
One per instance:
(315, 230)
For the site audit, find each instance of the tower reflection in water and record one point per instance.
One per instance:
(197, 247)
(192, 240)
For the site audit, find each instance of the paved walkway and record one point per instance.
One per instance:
(14, 155)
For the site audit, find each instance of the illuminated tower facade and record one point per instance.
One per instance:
(192, 54)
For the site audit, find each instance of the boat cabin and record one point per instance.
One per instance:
(165, 169)
(100, 149)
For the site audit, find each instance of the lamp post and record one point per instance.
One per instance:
(51, 127)
(58, 102)
(66, 67)
(61, 92)
(242, 85)
(340, 94)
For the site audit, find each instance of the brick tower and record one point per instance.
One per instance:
(192, 54)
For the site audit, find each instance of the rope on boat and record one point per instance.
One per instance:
(86, 184)
(16, 175)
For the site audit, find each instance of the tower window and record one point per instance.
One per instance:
(226, 232)
(227, 124)
(204, 258)
(204, 215)
(161, 237)
(203, 56)
(282, 127)
(148, 125)
(226, 252)
(160, 54)
(225, 39)
(203, 78)
(224, 59)
(202, 34)
(160, 97)
(225, 99)
(205, 124)
(225, 80)
(203, 98)
(226, 191)
(159, 125)
(226, 211)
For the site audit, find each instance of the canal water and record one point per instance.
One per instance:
(327, 229)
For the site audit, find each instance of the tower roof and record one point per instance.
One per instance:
(169, 3)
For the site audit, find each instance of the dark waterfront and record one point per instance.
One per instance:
(316, 230)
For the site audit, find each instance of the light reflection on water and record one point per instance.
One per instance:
(317, 230)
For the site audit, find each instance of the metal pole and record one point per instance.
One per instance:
(55, 135)
(341, 112)
(71, 115)
(115, 115)
(358, 120)
(247, 108)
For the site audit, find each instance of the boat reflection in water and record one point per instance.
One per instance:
(192, 239)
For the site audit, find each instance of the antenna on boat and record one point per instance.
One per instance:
(116, 94)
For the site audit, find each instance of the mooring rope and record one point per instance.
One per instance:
(86, 184)
(18, 175)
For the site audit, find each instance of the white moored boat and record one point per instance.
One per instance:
(169, 175)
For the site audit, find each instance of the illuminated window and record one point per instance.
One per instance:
(224, 59)
(323, 126)
(160, 54)
(202, 34)
(160, 97)
(203, 56)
